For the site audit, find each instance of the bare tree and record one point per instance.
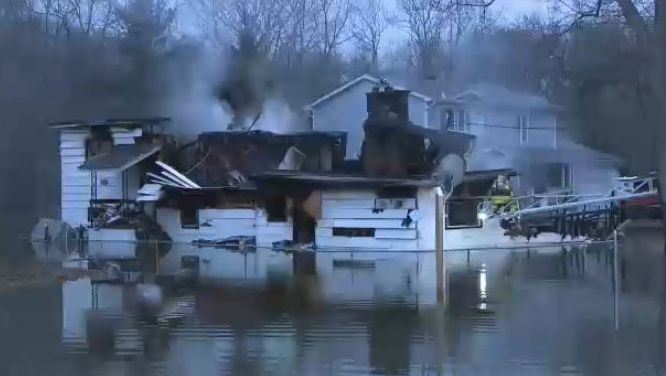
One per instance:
(370, 22)
(266, 21)
(425, 20)
(333, 26)
(79, 16)
(644, 22)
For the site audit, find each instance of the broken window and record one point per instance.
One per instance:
(276, 209)
(189, 217)
(100, 141)
(354, 232)
(462, 213)
(558, 175)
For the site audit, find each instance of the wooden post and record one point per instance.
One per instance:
(439, 245)
(616, 280)
(157, 258)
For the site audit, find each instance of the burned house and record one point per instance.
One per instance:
(129, 180)
(103, 167)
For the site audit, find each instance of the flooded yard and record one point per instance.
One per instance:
(548, 312)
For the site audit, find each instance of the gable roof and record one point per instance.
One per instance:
(354, 82)
(500, 96)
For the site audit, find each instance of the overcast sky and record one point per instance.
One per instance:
(508, 9)
(515, 8)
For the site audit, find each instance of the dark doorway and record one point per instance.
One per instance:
(304, 225)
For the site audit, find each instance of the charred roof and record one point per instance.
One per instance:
(221, 154)
(129, 123)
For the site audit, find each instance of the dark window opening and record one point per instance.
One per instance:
(276, 209)
(462, 213)
(100, 141)
(189, 217)
(558, 175)
(397, 192)
(304, 224)
(354, 232)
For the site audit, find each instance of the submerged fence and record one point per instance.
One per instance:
(92, 245)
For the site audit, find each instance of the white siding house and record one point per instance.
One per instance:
(523, 132)
(344, 109)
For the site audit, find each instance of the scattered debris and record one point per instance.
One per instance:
(288, 246)
(231, 243)
(176, 311)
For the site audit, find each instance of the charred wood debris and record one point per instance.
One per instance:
(393, 146)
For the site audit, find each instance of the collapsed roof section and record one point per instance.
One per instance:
(120, 157)
(128, 123)
(228, 159)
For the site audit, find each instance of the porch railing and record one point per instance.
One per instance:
(106, 213)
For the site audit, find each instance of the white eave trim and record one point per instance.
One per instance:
(354, 82)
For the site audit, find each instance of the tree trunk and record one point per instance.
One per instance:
(659, 75)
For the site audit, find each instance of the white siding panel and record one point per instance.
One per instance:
(226, 214)
(370, 223)
(76, 136)
(75, 186)
(354, 209)
(329, 212)
(368, 243)
(73, 152)
(269, 232)
(348, 203)
(379, 233)
(169, 219)
(349, 194)
(76, 205)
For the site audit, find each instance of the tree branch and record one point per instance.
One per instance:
(634, 19)
(595, 12)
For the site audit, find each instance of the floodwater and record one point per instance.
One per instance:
(548, 313)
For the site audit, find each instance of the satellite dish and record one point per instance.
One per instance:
(450, 171)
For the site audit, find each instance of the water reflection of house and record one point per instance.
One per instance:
(79, 298)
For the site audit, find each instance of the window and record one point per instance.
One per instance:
(354, 232)
(523, 128)
(559, 175)
(462, 121)
(556, 130)
(189, 217)
(100, 141)
(446, 120)
(276, 209)
(462, 213)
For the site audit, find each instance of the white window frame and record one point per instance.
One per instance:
(555, 129)
(567, 175)
(443, 117)
(462, 124)
(523, 125)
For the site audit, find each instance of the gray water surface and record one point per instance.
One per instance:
(549, 313)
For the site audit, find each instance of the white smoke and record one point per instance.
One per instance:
(278, 117)
(194, 108)
(190, 101)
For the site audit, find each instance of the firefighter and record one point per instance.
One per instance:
(501, 195)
